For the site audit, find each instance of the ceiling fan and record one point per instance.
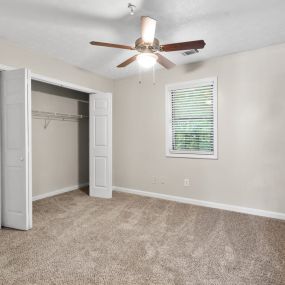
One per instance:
(149, 47)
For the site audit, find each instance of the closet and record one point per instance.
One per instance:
(60, 139)
(55, 137)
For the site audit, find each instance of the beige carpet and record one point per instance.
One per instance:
(136, 240)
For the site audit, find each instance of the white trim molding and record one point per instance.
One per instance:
(60, 191)
(215, 205)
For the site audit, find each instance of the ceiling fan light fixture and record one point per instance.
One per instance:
(149, 48)
(147, 60)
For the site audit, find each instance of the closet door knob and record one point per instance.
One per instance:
(21, 158)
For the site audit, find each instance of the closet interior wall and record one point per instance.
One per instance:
(60, 148)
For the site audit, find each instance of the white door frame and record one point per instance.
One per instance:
(51, 81)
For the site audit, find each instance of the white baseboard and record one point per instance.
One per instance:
(59, 191)
(227, 207)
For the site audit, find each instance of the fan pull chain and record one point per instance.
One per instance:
(153, 75)
(140, 75)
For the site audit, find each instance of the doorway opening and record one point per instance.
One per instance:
(60, 140)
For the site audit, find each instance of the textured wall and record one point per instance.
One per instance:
(60, 153)
(250, 169)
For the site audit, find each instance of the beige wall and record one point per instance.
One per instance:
(250, 170)
(60, 153)
(42, 64)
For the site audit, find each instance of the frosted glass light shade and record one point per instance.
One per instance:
(147, 60)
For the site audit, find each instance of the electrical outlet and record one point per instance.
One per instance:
(162, 180)
(186, 182)
(154, 180)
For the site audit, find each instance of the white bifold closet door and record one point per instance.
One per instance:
(100, 133)
(16, 149)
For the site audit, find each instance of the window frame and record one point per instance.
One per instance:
(168, 119)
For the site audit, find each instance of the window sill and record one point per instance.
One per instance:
(192, 155)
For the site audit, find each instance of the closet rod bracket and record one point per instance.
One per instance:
(47, 122)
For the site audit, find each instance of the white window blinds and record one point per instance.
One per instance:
(192, 118)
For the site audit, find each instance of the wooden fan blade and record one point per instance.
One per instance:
(128, 61)
(183, 46)
(148, 26)
(111, 45)
(162, 60)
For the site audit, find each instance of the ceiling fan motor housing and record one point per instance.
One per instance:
(141, 46)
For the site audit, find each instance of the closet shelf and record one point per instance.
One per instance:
(56, 116)
(48, 116)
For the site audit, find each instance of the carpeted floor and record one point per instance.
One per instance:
(137, 240)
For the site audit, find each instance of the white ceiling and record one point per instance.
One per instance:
(63, 29)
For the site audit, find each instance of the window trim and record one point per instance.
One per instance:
(168, 119)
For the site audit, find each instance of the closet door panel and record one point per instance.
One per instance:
(16, 163)
(100, 120)
(101, 128)
(100, 171)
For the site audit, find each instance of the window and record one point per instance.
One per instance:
(191, 119)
